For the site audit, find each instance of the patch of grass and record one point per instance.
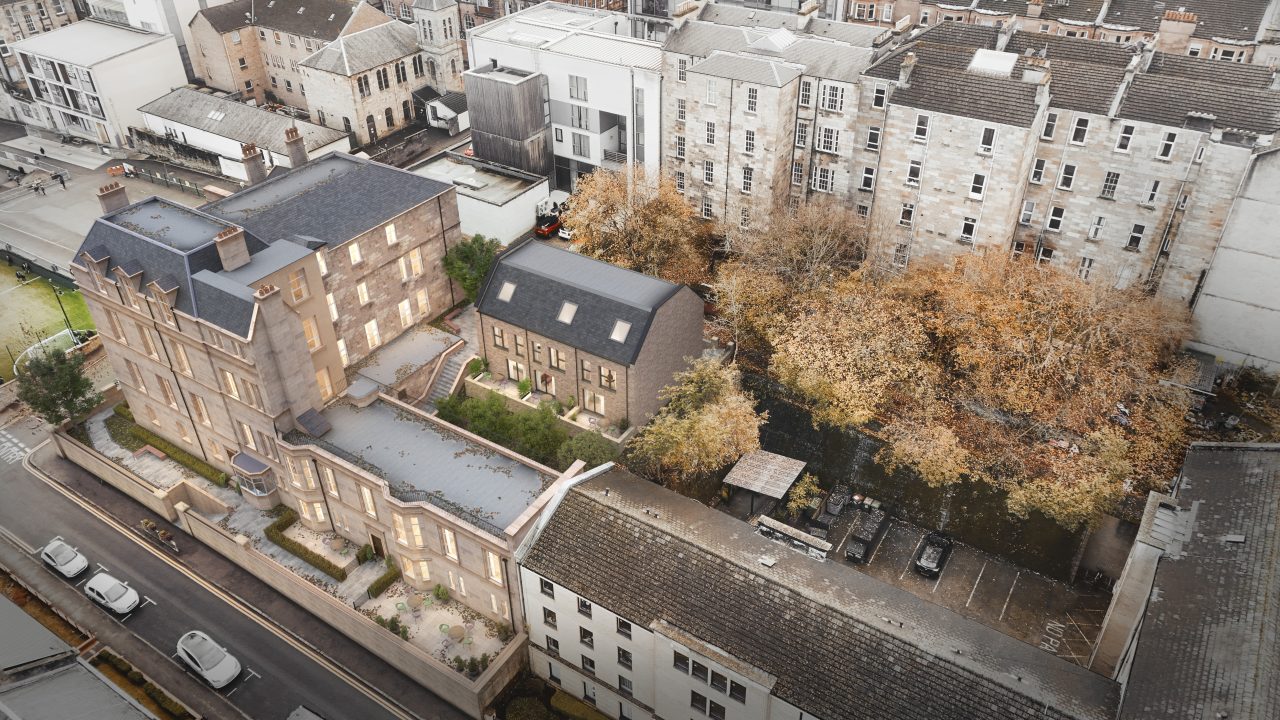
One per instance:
(33, 306)
(131, 436)
(571, 707)
(275, 533)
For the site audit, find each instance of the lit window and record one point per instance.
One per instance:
(298, 285)
(333, 307)
(324, 266)
(311, 333)
(353, 251)
(342, 352)
(450, 541)
(366, 497)
(620, 330)
(371, 334)
(493, 566)
(567, 311)
(391, 234)
(362, 292)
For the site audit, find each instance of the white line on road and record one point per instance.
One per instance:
(148, 601)
(911, 559)
(975, 583)
(1006, 597)
(102, 567)
(81, 582)
(939, 580)
(251, 674)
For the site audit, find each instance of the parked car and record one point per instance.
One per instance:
(865, 533)
(933, 554)
(210, 660)
(565, 234)
(111, 593)
(62, 557)
(546, 226)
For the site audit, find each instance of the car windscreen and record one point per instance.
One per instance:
(204, 651)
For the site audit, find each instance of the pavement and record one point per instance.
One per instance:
(1022, 604)
(291, 658)
(85, 156)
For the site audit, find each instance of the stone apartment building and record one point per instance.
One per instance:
(1238, 31)
(647, 604)
(363, 82)
(21, 19)
(260, 55)
(581, 329)
(267, 333)
(437, 23)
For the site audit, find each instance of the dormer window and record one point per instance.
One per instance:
(508, 289)
(566, 313)
(620, 330)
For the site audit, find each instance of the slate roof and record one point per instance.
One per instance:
(1008, 101)
(745, 68)
(366, 49)
(821, 57)
(320, 19)
(455, 101)
(1258, 77)
(841, 644)
(545, 277)
(1168, 99)
(316, 200)
(1231, 19)
(1081, 86)
(958, 33)
(236, 120)
(1059, 47)
(956, 57)
(1208, 647)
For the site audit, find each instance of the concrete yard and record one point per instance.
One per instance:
(1017, 602)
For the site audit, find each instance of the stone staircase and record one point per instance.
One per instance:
(444, 380)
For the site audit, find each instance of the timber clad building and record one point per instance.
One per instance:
(235, 331)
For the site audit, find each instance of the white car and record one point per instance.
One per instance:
(212, 661)
(62, 557)
(111, 593)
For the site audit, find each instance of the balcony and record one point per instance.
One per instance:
(614, 157)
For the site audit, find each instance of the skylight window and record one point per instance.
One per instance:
(566, 313)
(506, 292)
(620, 330)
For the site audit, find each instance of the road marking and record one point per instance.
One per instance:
(234, 689)
(1006, 597)
(317, 658)
(1077, 627)
(148, 601)
(102, 567)
(125, 618)
(975, 583)
(942, 571)
(81, 582)
(11, 448)
(18, 541)
(251, 674)
(911, 559)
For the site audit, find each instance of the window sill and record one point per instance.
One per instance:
(875, 149)
(1163, 160)
(919, 139)
(964, 241)
(1131, 248)
(908, 183)
(1112, 198)
(1147, 206)
(985, 153)
(866, 189)
(976, 197)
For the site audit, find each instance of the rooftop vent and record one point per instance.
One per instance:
(1233, 538)
(767, 561)
(300, 10)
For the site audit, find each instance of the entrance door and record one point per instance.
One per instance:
(378, 548)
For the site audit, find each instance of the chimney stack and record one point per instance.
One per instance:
(1036, 70)
(251, 156)
(233, 251)
(1033, 8)
(1176, 29)
(113, 196)
(904, 71)
(297, 147)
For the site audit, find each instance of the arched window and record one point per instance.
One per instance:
(431, 68)
(408, 111)
(391, 119)
(373, 128)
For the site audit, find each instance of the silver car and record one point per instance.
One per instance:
(62, 557)
(212, 661)
(111, 593)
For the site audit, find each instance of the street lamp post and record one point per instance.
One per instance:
(57, 295)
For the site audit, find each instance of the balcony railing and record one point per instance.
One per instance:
(614, 156)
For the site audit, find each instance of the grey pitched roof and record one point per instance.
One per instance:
(333, 198)
(1079, 11)
(1258, 77)
(1231, 19)
(1208, 646)
(958, 33)
(758, 71)
(236, 120)
(320, 19)
(455, 101)
(659, 559)
(956, 57)
(1168, 100)
(1059, 47)
(546, 277)
(821, 57)
(1079, 86)
(1003, 100)
(365, 49)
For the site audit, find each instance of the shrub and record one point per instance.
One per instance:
(168, 704)
(364, 554)
(623, 424)
(459, 663)
(119, 663)
(528, 708)
(275, 533)
(484, 662)
(135, 677)
(590, 447)
(380, 620)
(477, 365)
(393, 624)
(124, 411)
(473, 667)
(80, 433)
(449, 409)
(571, 403)
(441, 592)
(404, 632)
(504, 632)
(525, 386)
(379, 586)
(142, 436)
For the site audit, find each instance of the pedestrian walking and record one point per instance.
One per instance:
(42, 152)
(63, 180)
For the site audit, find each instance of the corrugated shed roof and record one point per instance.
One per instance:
(841, 644)
(1168, 99)
(745, 68)
(364, 50)
(546, 277)
(319, 19)
(1002, 100)
(237, 121)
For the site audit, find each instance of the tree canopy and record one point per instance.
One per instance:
(53, 384)
(637, 222)
(998, 370)
(469, 261)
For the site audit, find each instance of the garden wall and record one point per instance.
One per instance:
(155, 499)
(471, 697)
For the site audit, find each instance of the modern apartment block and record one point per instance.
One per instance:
(603, 88)
(84, 77)
(581, 329)
(1245, 31)
(268, 333)
(648, 604)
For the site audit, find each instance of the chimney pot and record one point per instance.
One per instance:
(904, 70)
(254, 167)
(296, 146)
(112, 196)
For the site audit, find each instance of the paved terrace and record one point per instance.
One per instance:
(423, 462)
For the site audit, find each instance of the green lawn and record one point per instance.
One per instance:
(30, 308)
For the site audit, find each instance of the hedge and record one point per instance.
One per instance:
(379, 586)
(177, 454)
(275, 533)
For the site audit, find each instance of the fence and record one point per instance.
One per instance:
(469, 696)
(168, 181)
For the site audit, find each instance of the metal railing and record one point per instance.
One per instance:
(614, 156)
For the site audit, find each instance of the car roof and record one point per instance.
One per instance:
(103, 580)
(203, 648)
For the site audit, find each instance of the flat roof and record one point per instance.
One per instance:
(414, 348)
(168, 223)
(73, 691)
(88, 42)
(415, 454)
(477, 179)
(585, 33)
(23, 640)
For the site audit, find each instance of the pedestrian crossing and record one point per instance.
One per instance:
(12, 450)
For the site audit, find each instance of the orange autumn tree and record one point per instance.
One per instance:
(999, 370)
(638, 222)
